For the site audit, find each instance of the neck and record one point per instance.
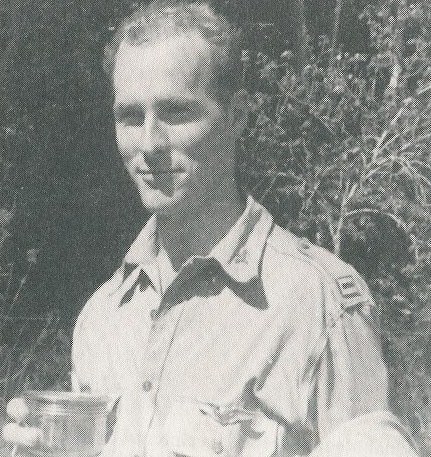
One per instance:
(195, 231)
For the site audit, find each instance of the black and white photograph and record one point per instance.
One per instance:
(215, 228)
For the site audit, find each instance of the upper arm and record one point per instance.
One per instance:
(376, 434)
(89, 351)
(350, 377)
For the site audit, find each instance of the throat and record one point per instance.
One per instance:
(196, 233)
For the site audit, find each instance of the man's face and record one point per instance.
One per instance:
(176, 140)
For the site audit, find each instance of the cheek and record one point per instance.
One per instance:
(130, 168)
(198, 139)
(127, 139)
(184, 136)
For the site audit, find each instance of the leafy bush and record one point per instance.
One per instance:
(341, 153)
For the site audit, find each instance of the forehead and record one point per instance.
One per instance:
(171, 65)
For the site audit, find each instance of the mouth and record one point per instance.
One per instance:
(160, 172)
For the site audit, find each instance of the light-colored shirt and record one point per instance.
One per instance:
(266, 347)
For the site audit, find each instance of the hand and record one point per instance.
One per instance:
(21, 437)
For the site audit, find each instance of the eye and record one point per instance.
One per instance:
(133, 120)
(129, 116)
(179, 113)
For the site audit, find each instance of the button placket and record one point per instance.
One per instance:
(153, 314)
(156, 352)
(154, 357)
(147, 386)
(217, 446)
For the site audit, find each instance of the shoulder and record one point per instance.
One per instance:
(296, 262)
(290, 248)
(90, 335)
(97, 308)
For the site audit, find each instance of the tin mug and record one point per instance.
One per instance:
(72, 424)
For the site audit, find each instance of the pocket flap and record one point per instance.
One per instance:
(192, 431)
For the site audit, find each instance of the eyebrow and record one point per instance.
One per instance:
(125, 108)
(121, 109)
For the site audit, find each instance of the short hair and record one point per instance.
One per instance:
(167, 18)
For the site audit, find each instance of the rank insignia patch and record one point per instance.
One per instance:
(348, 287)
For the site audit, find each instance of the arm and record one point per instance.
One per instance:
(376, 434)
(328, 378)
(349, 407)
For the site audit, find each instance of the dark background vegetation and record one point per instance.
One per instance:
(337, 148)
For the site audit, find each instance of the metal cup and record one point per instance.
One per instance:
(72, 424)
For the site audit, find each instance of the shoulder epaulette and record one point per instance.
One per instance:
(350, 286)
(347, 286)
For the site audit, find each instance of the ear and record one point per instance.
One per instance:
(240, 109)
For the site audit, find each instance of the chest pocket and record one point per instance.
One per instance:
(194, 430)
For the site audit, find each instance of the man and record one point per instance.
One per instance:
(221, 333)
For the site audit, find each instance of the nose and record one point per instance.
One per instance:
(153, 139)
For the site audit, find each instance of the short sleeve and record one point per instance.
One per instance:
(350, 377)
(376, 434)
(90, 364)
(327, 382)
(348, 404)
(82, 358)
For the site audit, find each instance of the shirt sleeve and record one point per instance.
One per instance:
(82, 377)
(376, 434)
(90, 369)
(348, 404)
(90, 364)
(350, 377)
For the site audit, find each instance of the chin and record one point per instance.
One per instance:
(163, 204)
(181, 201)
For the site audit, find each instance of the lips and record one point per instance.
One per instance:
(160, 172)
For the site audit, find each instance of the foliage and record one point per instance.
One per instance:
(38, 362)
(342, 154)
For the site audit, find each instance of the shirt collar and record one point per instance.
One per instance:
(239, 252)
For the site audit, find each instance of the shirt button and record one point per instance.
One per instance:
(217, 446)
(147, 386)
(305, 243)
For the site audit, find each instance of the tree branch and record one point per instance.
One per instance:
(336, 30)
(363, 211)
